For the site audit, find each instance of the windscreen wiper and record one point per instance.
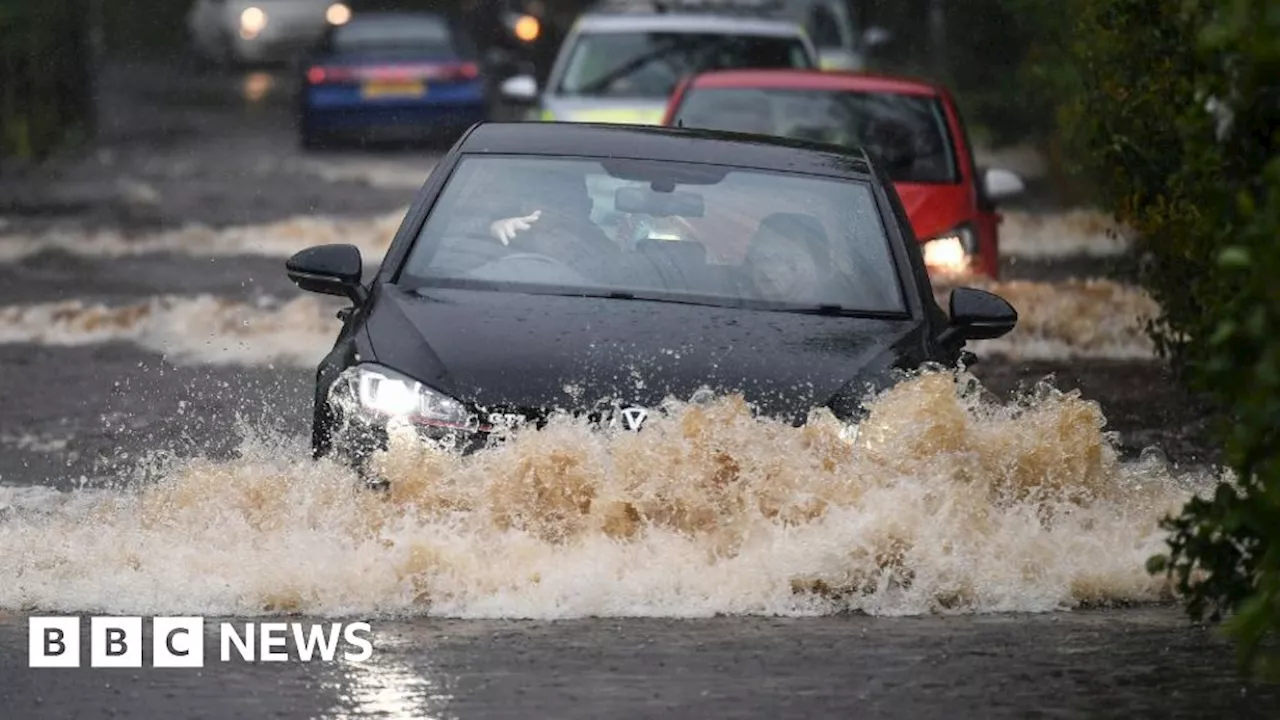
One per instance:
(627, 68)
(623, 295)
(833, 310)
(675, 43)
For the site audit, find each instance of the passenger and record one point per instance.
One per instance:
(789, 259)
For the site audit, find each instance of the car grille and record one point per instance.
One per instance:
(498, 418)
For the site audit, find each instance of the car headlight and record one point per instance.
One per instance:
(951, 251)
(338, 14)
(526, 28)
(383, 395)
(253, 20)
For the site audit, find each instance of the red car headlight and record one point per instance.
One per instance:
(951, 251)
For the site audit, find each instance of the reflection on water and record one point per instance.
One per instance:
(257, 85)
(387, 687)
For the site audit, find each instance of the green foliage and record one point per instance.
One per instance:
(1202, 190)
(1143, 135)
(147, 29)
(1006, 60)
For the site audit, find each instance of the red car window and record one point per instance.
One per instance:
(909, 134)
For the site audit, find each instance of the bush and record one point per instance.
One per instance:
(1178, 118)
(1006, 60)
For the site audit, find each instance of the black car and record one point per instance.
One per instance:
(600, 269)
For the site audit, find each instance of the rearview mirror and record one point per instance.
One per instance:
(979, 315)
(520, 89)
(328, 270)
(1001, 184)
(659, 204)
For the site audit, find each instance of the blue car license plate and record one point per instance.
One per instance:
(393, 90)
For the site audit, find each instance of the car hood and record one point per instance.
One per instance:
(526, 353)
(622, 110)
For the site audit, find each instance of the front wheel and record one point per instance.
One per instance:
(346, 445)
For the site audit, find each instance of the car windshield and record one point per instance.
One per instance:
(889, 125)
(650, 65)
(677, 232)
(424, 33)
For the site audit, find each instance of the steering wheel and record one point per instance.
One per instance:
(508, 268)
(539, 257)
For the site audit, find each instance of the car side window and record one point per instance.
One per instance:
(823, 27)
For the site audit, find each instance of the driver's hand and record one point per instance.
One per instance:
(506, 229)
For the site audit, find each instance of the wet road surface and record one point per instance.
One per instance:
(220, 151)
(1089, 664)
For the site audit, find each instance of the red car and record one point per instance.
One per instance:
(912, 127)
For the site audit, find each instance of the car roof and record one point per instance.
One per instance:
(648, 142)
(400, 15)
(686, 22)
(816, 80)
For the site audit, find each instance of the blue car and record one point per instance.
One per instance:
(404, 74)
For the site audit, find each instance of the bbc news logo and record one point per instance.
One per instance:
(178, 642)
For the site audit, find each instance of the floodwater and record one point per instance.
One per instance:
(971, 553)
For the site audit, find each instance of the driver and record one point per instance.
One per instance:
(561, 225)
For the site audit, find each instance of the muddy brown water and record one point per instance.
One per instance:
(222, 536)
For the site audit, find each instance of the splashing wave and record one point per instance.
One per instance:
(944, 503)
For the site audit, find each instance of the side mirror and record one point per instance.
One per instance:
(874, 37)
(520, 89)
(979, 315)
(328, 270)
(1001, 184)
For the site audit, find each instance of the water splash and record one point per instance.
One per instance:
(944, 503)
